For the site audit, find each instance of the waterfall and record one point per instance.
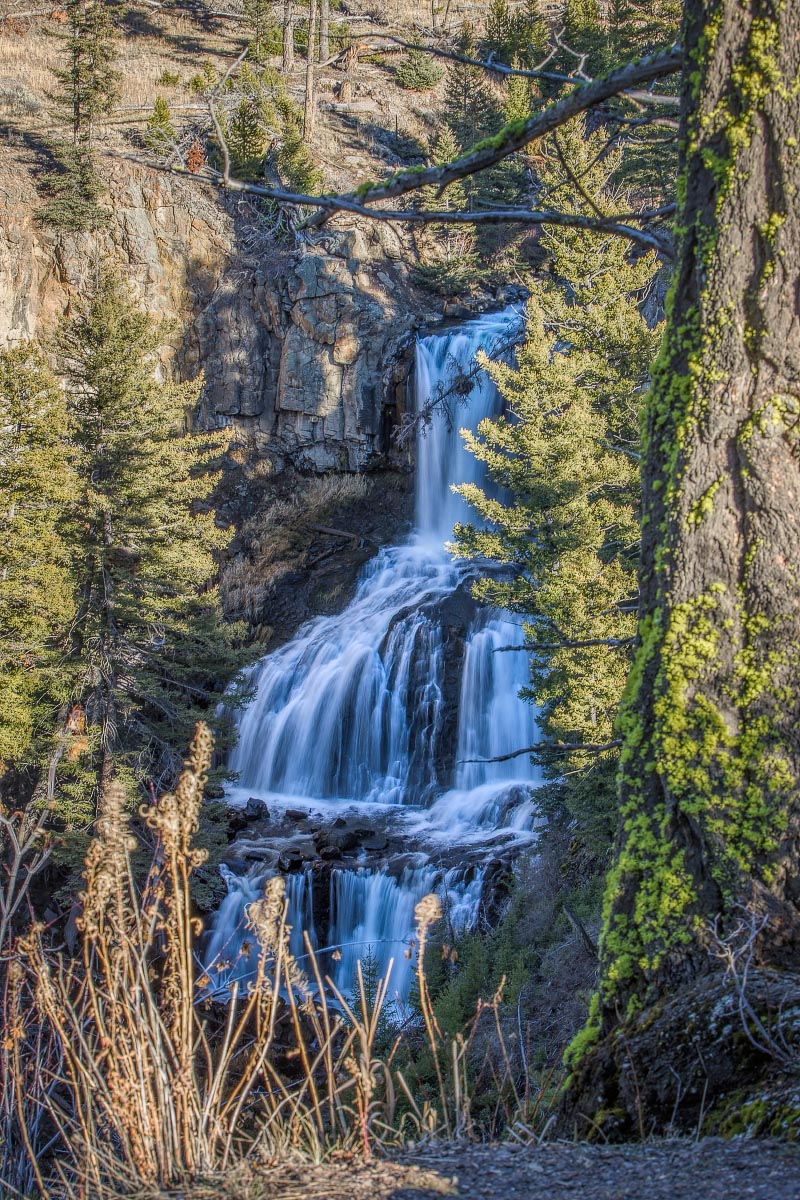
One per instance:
(353, 713)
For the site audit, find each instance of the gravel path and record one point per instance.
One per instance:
(712, 1169)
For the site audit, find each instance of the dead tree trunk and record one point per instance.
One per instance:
(288, 37)
(310, 106)
(346, 86)
(324, 30)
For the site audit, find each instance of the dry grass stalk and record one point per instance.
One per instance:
(141, 1084)
(27, 1049)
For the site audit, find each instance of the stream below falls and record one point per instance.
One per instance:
(359, 738)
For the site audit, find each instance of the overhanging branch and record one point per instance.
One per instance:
(551, 748)
(511, 138)
(508, 141)
(498, 68)
(567, 645)
(330, 205)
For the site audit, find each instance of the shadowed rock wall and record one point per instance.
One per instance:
(300, 351)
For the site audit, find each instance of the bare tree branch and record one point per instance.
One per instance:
(511, 138)
(550, 748)
(331, 205)
(498, 68)
(567, 645)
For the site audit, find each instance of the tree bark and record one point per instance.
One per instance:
(710, 816)
(310, 106)
(350, 64)
(324, 30)
(288, 37)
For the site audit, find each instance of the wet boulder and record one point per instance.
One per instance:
(256, 810)
(291, 860)
(237, 822)
(346, 840)
(375, 843)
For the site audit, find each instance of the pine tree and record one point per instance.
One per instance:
(72, 191)
(581, 20)
(36, 487)
(567, 455)
(160, 132)
(447, 253)
(471, 108)
(584, 34)
(258, 19)
(89, 87)
(246, 137)
(635, 28)
(518, 97)
(148, 645)
(89, 80)
(521, 34)
(418, 72)
(295, 163)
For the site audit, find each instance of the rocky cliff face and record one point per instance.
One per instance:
(300, 352)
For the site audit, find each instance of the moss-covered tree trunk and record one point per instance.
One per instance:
(711, 756)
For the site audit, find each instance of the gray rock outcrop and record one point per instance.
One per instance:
(299, 351)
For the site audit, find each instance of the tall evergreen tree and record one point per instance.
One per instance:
(636, 27)
(521, 33)
(148, 647)
(518, 97)
(88, 87)
(584, 33)
(89, 79)
(471, 108)
(258, 19)
(566, 455)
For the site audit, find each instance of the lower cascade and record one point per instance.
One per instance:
(362, 749)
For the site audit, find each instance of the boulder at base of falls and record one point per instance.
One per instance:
(330, 853)
(346, 841)
(376, 843)
(256, 810)
(237, 822)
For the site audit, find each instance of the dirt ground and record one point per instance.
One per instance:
(711, 1169)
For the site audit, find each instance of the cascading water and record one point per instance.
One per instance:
(351, 718)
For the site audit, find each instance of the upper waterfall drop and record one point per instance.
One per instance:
(446, 376)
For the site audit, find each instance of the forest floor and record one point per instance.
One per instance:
(710, 1169)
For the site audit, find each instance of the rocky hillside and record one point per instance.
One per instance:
(300, 338)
